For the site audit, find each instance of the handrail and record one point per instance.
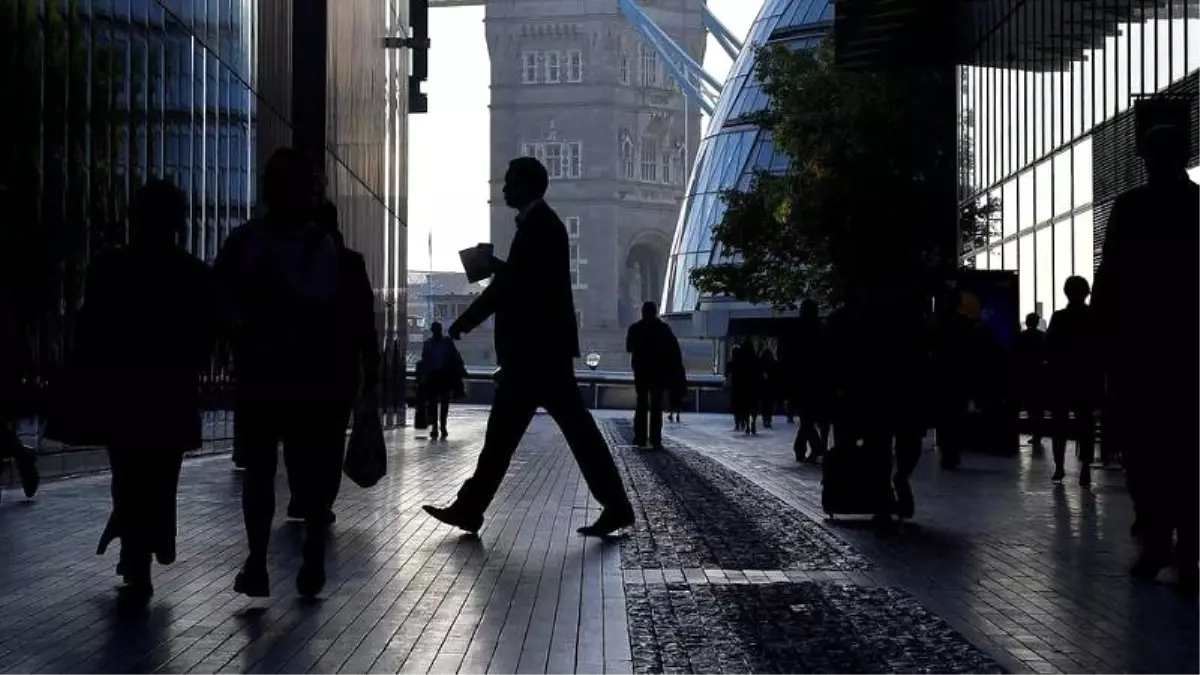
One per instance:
(599, 377)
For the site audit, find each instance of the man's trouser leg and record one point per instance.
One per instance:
(512, 409)
(641, 410)
(656, 416)
(316, 433)
(262, 433)
(561, 398)
(132, 489)
(444, 406)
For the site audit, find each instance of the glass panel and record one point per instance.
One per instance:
(1084, 245)
(1010, 256)
(1025, 280)
(1044, 250)
(1063, 257)
(1082, 172)
(1043, 192)
(1008, 208)
(1025, 200)
(1062, 183)
(996, 258)
(981, 261)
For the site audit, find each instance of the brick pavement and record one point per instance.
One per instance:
(1031, 576)
(405, 593)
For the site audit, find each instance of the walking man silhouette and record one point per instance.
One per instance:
(536, 341)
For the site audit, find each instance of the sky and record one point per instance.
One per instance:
(449, 145)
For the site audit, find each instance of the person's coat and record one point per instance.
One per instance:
(530, 296)
(453, 371)
(655, 355)
(146, 329)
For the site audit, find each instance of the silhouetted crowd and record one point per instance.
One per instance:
(295, 309)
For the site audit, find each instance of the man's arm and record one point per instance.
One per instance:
(364, 321)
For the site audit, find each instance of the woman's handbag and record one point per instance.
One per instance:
(366, 454)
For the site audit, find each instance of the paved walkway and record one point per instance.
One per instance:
(731, 568)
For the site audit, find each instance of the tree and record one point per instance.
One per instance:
(872, 168)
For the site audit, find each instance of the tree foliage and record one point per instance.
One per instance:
(868, 192)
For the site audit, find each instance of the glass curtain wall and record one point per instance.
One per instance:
(1048, 91)
(106, 94)
(732, 149)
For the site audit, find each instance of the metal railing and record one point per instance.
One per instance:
(599, 388)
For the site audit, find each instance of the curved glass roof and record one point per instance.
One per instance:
(731, 149)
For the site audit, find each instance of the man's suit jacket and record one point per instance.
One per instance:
(530, 296)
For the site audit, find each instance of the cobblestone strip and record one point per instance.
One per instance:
(722, 577)
(695, 513)
(806, 627)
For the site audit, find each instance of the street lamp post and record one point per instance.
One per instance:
(593, 362)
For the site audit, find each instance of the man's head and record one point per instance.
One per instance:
(1076, 289)
(649, 310)
(525, 181)
(159, 213)
(436, 329)
(288, 182)
(1032, 320)
(326, 216)
(1165, 151)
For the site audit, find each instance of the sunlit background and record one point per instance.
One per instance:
(449, 145)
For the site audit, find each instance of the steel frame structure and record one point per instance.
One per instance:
(703, 89)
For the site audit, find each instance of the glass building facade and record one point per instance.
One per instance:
(1046, 112)
(732, 149)
(103, 95)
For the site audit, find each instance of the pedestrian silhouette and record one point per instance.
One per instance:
(536, 341)
(279, 278)
(1031, 374)
(14, 361)
(745, 377)
(1148, 268)
(1077, 379)
(657, 364)
(810, 385)
(357, 367)
(768, 367)
(147, 328)
(442, 371)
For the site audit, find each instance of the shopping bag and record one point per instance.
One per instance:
(366, 455)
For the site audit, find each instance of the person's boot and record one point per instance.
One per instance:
(456, 516)
(1085, 475)
(311, 579)
(253, 580)
(611, 520)
(445, 433)
(27, 468)
(1059, 458)
(135, 571)
(433, 432)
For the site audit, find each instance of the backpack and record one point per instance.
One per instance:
(283, 285)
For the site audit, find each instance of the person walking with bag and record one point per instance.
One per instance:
(533, 289)
(14, 356)
(146, 329)
(356, 375)
(279, 280)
